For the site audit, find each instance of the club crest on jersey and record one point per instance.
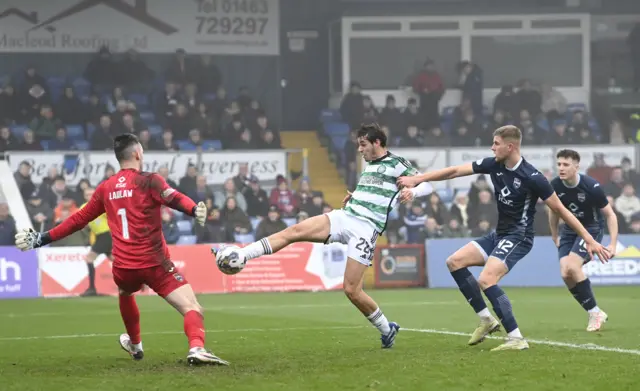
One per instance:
(178, 277)
(121, 182)
(381, 169)
(581, 197)
(516, 183)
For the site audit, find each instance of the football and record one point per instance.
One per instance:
(230, 259)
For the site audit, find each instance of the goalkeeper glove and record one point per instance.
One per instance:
(28, 239)
(200, 213)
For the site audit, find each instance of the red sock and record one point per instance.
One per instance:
(130, 317)
(194, 329)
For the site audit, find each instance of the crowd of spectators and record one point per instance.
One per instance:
(239, 210)
(186, 108)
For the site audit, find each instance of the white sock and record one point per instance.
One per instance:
(515, 334)
(594, 310)
(378, 319)
(137, 346)
(257, 249)
(485, 314)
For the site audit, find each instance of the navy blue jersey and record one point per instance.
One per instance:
(585, 200)
(517, 190)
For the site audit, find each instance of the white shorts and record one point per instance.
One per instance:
(359, 235)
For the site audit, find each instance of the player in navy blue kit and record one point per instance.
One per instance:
(584, 197)
(517, 186)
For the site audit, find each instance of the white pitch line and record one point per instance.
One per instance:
(588, 346)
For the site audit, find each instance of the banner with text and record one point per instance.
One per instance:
(18, 273)
(299, 267)
(399, 266)
(216, 166)
(240, 27)
(541, 266)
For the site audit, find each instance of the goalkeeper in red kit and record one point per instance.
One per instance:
(132, 200)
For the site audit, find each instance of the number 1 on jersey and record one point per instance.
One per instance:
(125, 225)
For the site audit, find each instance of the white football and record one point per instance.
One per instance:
(230, 260)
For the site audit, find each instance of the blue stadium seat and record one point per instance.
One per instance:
(209, 145)
(18, 131)
(155, 130)
(148, 117)
(90, 129)
(75, 132)
(576, 107)
(45, 144)
(244, 239)
(186, 145)
(336, 128)
(447, 112)
(187, 240)
(81, 145)
(339, 141)
(184, 226)
(56, 82)
(141, 101)
(254, 223)
(543, 124)
(330, 115)
(289, 221)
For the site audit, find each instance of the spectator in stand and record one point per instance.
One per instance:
(167, 143)
(352, 106)
(180, 69)
(54, 194)
(235, 218)
(528, 98)
(195, 140)
(629, 174)
(251, 113)
(33, 100)
(531, 133)
(392, 117)
(169, 227)
(414, 220)
(485, 210)
(498, 120)
(191, 98)
(269, 141)
(350, 159)
(23, 179)
(61, 142)
(473, 124)
(454, 229)
(47, 181)
(180, 122)
(29, 142)
(256, 198)
(66, 204)
(44, 126)
(109, 171)
(411, 138)
(207, 74)
(614, 186)
(477, 186)
(102, 71)
(41, 213)
(79, 193)
(164, 173)
(102, 137)
(230, 114)
(32, 78)
(79, 238)
(412, 115)
(429, 87)
(94, 109)
(166, 104)
(134, 73)
(205, 122)
(261, 126)
(128, 124)
(215, 230)
(628, 204)
(8, 142)
(437, 209)
(283, 197)
(246, 141)
(623, 227)
(69, 109)
(242, 179)
(558, 134)
(318, 206)
(271, 225)
(429, 230)
(506, 103)
(10, 105)
(459, 209)
(554, 104)
(302, 216)
(244, 98)
(144, 136)
(229, 190)
(586, 137)
(435, 137)
(463, 137)
(600, 170)
(471, 84)
(117, 96)
(188, 182)
(483, 227)
(220, 104)
(202, 191)
(370, 114)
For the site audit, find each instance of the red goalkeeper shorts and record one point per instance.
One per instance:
(161, 279)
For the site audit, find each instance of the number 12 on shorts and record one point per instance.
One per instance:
(505, 245)
(122, 212)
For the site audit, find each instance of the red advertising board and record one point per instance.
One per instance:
(299, 267)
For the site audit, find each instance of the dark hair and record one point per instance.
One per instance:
(372, 132)
(122, 145)
(568, 154)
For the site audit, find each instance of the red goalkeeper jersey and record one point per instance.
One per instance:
(132, 200)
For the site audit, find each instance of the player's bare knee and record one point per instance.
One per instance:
(352, 290)
(566, 272)
(455, 262)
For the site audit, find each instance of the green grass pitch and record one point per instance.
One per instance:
(318, 341)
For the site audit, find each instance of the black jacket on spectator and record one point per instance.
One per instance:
(10, 106)
(529, 100)
(352, 109)
(507, 102)
(268, 228)
(70, 110)
(257, 203)
(7, 231)
(393, 119)
(101, 139)
(207, 76)
(41, 208)
(214, 231)
(102, 70)
(433, 139)
(25, 184)
(170, 231)
(134, 71)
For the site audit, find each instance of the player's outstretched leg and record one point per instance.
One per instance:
(353, 280)
(90, 258)
(184, 300)
(580, 287)
(315, 229)
(493, 271)
(458, 264)
(130, 342)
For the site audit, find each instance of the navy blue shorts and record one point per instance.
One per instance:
(507, 248)
(570, 242)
